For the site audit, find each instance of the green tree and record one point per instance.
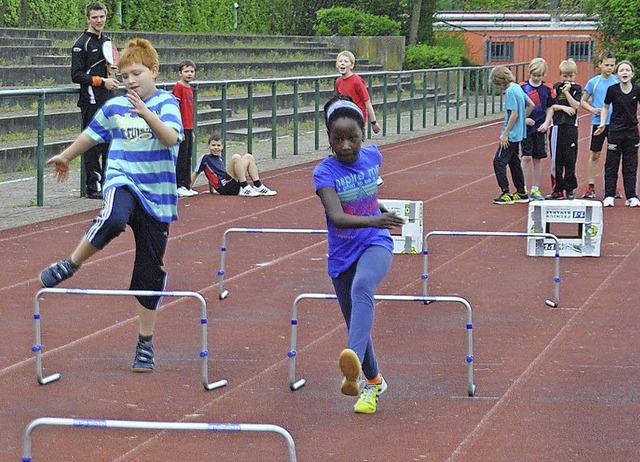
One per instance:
(619, 24)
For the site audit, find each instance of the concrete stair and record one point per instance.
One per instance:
(40, 59)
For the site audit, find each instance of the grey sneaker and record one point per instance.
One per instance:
(145, 358)
(249, 191)
(57, 272)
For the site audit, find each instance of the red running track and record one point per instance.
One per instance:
(553, 384)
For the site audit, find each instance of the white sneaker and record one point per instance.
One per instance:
(264, 191)
(192, 192)
(379, 181)
(183, 192)
(633, 202)
(608, 202)
(248, 191)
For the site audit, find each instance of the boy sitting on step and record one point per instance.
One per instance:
(232, 180)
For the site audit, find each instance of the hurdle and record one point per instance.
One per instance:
(292, 353)
(222, 292)
(151, 425)
(37, 348)
(425, 275)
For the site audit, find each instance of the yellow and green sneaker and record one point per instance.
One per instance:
(368, 401)
(350, 366)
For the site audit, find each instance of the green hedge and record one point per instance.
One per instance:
(353, 21)
(431, 57)
(214, 16)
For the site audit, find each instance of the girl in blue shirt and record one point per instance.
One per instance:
(359, 243)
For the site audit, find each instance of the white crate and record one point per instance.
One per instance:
(576, 223)
(408, 239)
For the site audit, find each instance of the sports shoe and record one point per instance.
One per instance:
(249, 191)
(192, 192)
(368, 401)
(57, 272)
(145, 358)
(570, 195)
(555, 195)
(590, 193)
(505, 198)
(264, 191)
(618, 195)
(520, 198)
(183, 192)
(535, 195)
(350, 366)
(608, 202)
(633, 202)
(379, 181)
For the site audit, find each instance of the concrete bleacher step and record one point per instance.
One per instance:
(28, 75)
(51, 60)
(241, 134)
(57, 56)
(32, 56)
(40, 59)
(25, 41)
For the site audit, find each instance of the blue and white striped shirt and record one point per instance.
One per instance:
(137, 158)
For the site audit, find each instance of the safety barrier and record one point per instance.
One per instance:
(37, 348)
(425, 275)
(293, 353)
(149, 425)
(222, 292)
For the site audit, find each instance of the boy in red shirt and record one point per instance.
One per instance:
(184, 94)
(351, 84)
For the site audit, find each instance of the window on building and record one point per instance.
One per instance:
(580, 51)
(500, 51)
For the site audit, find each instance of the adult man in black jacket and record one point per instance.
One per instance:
(90, 69)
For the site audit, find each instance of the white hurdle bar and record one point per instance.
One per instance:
(222, 293)
(204, 352)
(469, 358)
(148, 425)
(425, 275)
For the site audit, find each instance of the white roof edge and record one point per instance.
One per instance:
(493, 25)
(537, 16)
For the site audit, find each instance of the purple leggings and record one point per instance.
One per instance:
(355, 288)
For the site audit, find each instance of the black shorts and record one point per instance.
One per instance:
(228, 187)
(597, 141)
(121, 207)
(535, 145)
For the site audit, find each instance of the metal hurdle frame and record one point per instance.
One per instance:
(222, 293)
(204, 352)
(425, 275)
(149, 425)
(469, 358)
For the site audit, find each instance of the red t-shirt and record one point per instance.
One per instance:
(184, 95)
(354, 87)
